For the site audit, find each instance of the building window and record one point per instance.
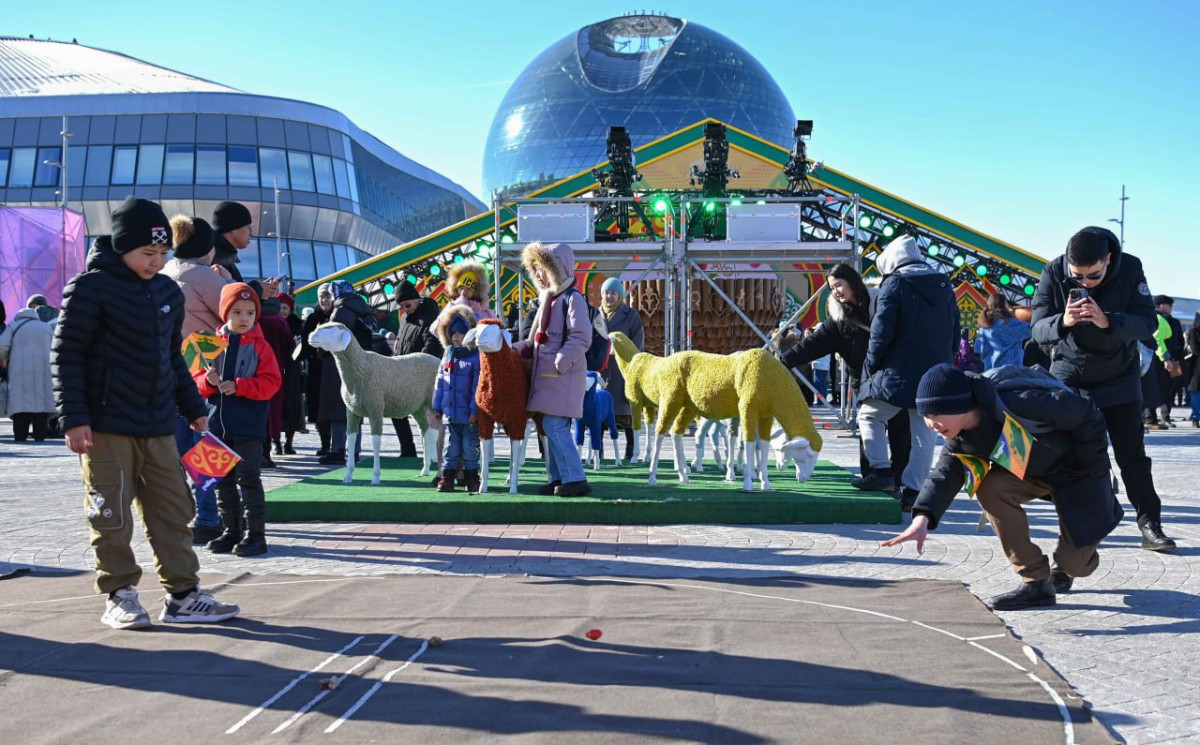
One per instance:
(300, 167)
(323, 165)
(274, 167)
(302, 260)
(150, 165)
(248, 259)
(99, 163)
(353, 183)
(343, 181)
(76, 164)
(21, 168)
(46, 174)
(124, 166)
(5, 157)
(210, 165)
(326, 263)
(243, 166)
(179, 163)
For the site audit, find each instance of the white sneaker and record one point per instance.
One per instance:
(198, 606)
(123, 611)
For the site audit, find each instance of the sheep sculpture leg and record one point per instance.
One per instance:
(376, 443)
(485, 464)
(353, 422)
(702, 430)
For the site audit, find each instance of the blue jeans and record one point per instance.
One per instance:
(821, 382)
(1195, 398)
(462, 441)
(562, 457)
(206, 501)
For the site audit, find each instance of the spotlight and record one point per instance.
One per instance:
(889, 231)
(435, 270)
(981, 270)
(1006, 279)
(662, 205)
(959, 260)
(865, 221)
(389, 289)
(933, 249)
(1030, 289)
(710, 206)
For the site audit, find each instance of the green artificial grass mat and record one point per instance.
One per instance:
(620, 496)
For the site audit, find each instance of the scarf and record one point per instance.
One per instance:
(547, 300)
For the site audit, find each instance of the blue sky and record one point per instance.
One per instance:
(1019, 119)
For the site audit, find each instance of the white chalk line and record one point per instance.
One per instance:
(283, 691)
(1068, 727)
(333, 684)
(366, 696)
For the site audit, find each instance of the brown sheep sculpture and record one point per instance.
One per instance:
(502, 395)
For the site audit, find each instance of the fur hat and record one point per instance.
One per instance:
(559, 260)
(447, 318)
(469, 274)
(231, 293)
(193, 237)
(137, 223)
(230, 216)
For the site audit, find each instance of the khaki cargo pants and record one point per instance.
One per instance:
(1001, 495)
(119, 472)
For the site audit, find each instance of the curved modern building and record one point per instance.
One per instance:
(188, 143)
(652, 74)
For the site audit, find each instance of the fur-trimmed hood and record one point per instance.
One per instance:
(559, 258)
(458, 272)
(441, 326)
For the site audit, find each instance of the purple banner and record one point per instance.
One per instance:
(40, 251)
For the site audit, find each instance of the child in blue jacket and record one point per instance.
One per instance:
(454, 398)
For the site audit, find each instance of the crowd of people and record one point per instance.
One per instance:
(107, 371)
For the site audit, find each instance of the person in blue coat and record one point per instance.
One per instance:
(454, 398)
(1001, 337)
(915, 327)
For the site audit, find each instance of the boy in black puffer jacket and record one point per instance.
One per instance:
(119, 379)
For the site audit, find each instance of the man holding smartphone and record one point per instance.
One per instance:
(1091, 308)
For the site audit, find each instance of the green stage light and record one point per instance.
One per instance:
(889, 231)
(412, 279)
(389, 289)
(662, 205)
(865, 221)
(1030, 289)
(506, 238)
(458, 259)
(959, 260)
(710, 206)
(1006, 279)
(981, 270)
(933, 249)
(735, 203)
(435, 270)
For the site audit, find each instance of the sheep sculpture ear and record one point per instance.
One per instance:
(469, 339)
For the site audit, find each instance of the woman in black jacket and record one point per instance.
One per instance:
(846, 333)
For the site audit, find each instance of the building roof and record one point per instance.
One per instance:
(32, 67)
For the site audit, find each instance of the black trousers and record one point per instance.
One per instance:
(1129, 445)
(252, 502)
(22, 423)
(404, 434)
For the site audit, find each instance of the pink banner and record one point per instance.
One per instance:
(40, 251)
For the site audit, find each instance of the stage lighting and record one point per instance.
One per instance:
(933, 249)
(435, 270)
(889, 231)
(412, 279)
(1030, 289)
(959, 260)
(981, 270)
(506, 238)
(389, 289)
(710, 206)
(662, 205)
(1006, 279)
(865, 221)
(796, 169)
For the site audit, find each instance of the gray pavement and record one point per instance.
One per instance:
(1125, 638)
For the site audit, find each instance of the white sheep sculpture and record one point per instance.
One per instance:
(375, 387)
(752, 386)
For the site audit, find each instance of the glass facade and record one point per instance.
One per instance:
(653, 75)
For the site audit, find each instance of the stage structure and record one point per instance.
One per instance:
(720, 237)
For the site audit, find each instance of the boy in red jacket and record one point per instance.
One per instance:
(238, 386)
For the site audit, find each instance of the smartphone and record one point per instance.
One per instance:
(1076, 294)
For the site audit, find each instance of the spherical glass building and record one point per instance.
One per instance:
(651, 74)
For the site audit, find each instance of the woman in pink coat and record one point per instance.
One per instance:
(560, 338)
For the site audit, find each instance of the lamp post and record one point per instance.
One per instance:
(1121, 222)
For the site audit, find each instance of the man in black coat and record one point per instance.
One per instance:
(914, 327)
(1176, 351)
(414, 336)
(1067, 463)
(1091, 338)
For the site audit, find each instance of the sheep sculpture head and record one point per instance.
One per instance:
(487, 336)
(332, 337)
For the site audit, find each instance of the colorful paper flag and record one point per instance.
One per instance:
(200, 348)
(975, 469)
(209, 461)
(1013, 448)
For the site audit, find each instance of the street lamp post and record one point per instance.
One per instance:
(1121, 222)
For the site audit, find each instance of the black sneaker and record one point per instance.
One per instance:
(1153, 538)
(548, 490)
(1036, 594)
(878, 480)
(1062, 581)
(203, 534)
(335, 458)
(908, 497)
(573, 489)
(254, 544)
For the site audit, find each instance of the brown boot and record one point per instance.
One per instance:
(446, 482)
(473, 482)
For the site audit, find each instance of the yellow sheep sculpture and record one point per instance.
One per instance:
(752, 386)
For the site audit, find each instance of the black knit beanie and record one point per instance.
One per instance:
(230, 216)
(199, 243)
(137, 223)
(407, 291)
(944, 389)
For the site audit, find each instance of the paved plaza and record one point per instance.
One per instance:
(1124, 638)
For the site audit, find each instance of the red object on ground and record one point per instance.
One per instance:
(594, 634)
